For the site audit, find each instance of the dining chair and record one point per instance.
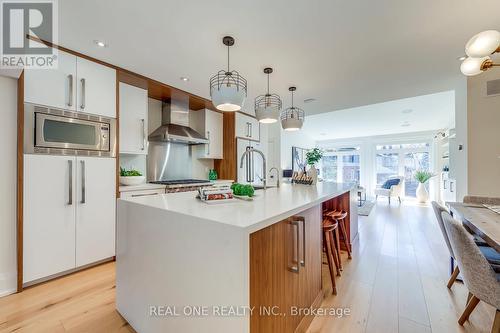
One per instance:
(479, 277)
(491, 255)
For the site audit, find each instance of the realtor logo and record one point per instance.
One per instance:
(20, 19)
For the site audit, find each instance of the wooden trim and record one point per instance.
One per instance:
(20, 181)
(156, 89)
(306, 321)
(226, 167)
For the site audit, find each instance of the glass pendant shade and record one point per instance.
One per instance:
(292, 118)
(228, 89)
(483, 44)
(473, 66)
(268, 106)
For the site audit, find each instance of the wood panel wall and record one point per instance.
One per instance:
(226, 168)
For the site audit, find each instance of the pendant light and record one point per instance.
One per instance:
(479, 48)
(268, 106)
(228, 89)
(292, 118)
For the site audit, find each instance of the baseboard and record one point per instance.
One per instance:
(306, 321)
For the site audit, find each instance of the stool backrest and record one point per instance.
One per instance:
(476, 271)
(438, 210)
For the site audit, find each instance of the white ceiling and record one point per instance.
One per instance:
(423, 113)
(343, 53)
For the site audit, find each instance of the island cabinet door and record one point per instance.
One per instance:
(285, 273)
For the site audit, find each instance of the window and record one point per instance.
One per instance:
(414, 161)
(387, 166)
(341, 165)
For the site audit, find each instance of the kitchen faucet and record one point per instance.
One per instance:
(250, 151)
(277, 175)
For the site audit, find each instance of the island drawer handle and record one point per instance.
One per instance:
(301, 219)
(295, 268)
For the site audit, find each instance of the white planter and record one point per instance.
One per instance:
(313, 173)
(132, 180)
(422, 194)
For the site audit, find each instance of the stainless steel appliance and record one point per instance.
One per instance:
(175, 125)
(183, 185)
(60, 132)
(252, 171)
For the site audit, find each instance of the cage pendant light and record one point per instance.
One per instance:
(292, 118)
(228, 89)
(268, 106)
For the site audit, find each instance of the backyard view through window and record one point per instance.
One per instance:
(402, 159)
(341, 165)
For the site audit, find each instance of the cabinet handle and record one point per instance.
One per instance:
(444, 184)
(70, 86)
(70, 179)
(295, 265)
(143, 195)
(82, 106)
(83, 182)
(451, 187)
(251, 130)
(249, 134)
(143, 134)
(208, 145)
(301, 219)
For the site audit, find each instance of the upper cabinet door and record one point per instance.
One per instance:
(247, 127)
(133, 119)
(95, 216)
(53, 87)
(96, 88)
(49, 215)
(214, 133)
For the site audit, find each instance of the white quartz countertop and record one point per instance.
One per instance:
(268, 207)
(149, 186)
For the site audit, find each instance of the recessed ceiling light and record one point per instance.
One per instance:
(100, 43)
(184, 78)
(462, 58)
(309, 100)
(322, 134)
(405, 124)
(407, 111)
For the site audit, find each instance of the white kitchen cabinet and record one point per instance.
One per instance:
(53, 87)
(95, 213)
(49, 215)
(247, 127)
(210, 124)
(76, 84)
(133, 119)
(96, 88)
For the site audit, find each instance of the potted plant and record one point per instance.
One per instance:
(313, 156)
(423, 176)
(131, 177)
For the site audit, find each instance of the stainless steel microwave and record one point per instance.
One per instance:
(61, 132)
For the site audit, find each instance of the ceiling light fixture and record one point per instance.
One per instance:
(479, 48)
(292, 118)
(228, 89)
(309, 100)
(184, 78)
(407, 111)
(268, 106)
(100, 43)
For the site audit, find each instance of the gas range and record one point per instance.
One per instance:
(183, 185)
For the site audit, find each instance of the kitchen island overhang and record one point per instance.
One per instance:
(175, 253)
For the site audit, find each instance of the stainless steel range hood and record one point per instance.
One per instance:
(175, 125)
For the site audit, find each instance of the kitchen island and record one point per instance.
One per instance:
(187, 266)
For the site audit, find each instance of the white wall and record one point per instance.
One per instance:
(458, 158)
(293, 139)
(8, 170)
(483, 136)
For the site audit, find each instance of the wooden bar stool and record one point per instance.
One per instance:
(339, 216)
(329, 228)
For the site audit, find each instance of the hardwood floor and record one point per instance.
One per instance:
(397, 279)
(396, 282)
(81, 302)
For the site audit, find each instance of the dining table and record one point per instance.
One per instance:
(480, 220)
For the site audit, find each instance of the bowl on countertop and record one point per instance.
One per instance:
(132, 180)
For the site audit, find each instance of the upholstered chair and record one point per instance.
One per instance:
(479, 277)
(397, 190)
